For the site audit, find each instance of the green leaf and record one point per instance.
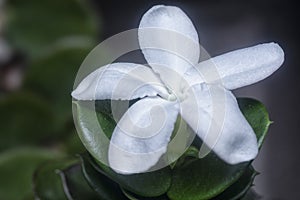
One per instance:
(47, 182)
(237, 190)
(107, 123)
(105, 188)
(151, 184)
(206, 178)
(63, 180)
(26, 120)
(75, 184)
(94, 136)
(203, 178)
(257, 116)
(35, 26)
(16, 170)
(132, 196)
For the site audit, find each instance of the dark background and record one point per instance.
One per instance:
(228, 25)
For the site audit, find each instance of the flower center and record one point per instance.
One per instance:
(172, 97)
(175, 96)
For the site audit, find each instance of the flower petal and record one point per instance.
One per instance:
(213, 113)
(244, 66)
(142, 135)
(120, 81)
(193, 76)
(168, 38)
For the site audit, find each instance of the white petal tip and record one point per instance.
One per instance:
(169, 18)
(84, 91)
(248, 65)
(276, 51)
(244, 152)
(242, 157)
(75, 95)
(78, 95)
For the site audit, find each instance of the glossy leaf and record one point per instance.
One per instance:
(75, 185)
(36, 26)
(63, 180)
(103, 186)
(257, 116)
(203, 179)
(151, 184)
(237, 190)
(16, 170)
(47, 182)
(132, 196)
(94, 136)
(206, 178)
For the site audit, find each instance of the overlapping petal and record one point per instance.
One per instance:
(142, 135)
(213, 113)
(120, 81)
(169, 39)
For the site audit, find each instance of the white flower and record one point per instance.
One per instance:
(175, 83)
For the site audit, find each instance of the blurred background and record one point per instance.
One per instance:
(42, 44)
